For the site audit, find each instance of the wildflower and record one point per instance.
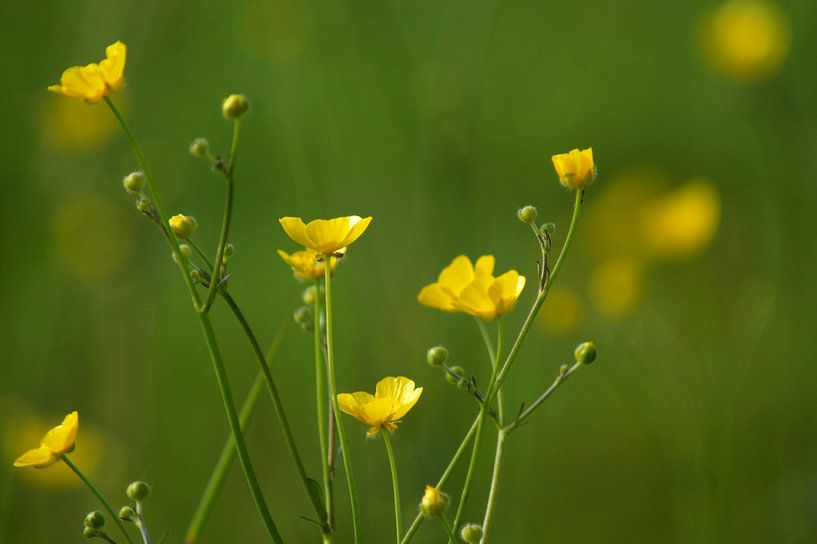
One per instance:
(305, 263)
(325, 236)
(57, 441)
(393, 398)
(95, 81)
(576, 168)
(234, 106)
(489, 297)
(434, 502)
(183, 226)
(746, 40)
(443, 294)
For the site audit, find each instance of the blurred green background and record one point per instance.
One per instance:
(692, 271)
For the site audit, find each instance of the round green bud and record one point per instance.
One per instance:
(229, 250)
(471, 533)
(303, 317)
(234, 106)
(90, 532)
(437, 356)
(196, 275)
(138, 491)
(585, 353)
(144, 204)
(127, 513)
(186, 252)
(310, 293)
(454, 375)
(94, 520)
(134, 182)
(183, 226)
(548, 228)
(527, 214)
(199, 147)
(434, 502)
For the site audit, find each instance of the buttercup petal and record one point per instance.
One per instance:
(457, 275)
(434, 296)
(61, 438)
(327, 235)
(407, 404)
(474, 299)
(357, 227)
(113, 67)
(37, 458)
(296, 229)
(484, 266)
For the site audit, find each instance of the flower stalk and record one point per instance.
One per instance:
(398, 516)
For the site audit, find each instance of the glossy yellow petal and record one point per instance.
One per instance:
(305, 263)
(327, 235)
(357, 226)
(393, 387)
(484, 266)
(406, 404)
(376, 412)
(296, 229)
(505, 290)
(85, 83)
(474, 299)
(113, 67)
(434, 296)
(61, 438)
(575, 168)
(457, 275)
(37, 458)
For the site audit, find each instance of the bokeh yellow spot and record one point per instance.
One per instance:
(616, 286)
(72, 126)
(91, 236)
(276, 29)
(562, 312)
(746, 40)
(684, 221)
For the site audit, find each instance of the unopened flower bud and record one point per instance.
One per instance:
(310, 293)
(234, 106)
(134, 182)
(196, 275)
(90, 532)
(585, 353)
(144, 204)
(527, 214)
(548, 228)
(437, 356)
(199, 147)
(434, 502)
(94, 520)
(138, 491)
(229, 250)
(471, 533)
(127, 513)
(454, 374)
(183, 226)
(186, 252)
(303, 317)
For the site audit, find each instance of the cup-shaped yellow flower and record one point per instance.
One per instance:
(575, 168)
(305, 263)
(57, 441)
(325, 236)
(443, 293)
(393, 398)
(93, 82)
(489, 297)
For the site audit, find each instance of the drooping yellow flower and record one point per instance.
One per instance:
(746, 40)
(95, 81)
(325, 236)
(393, 398)
(489, 297)
(305, 263)
(57, 441)
(576, 168)
(443, 293)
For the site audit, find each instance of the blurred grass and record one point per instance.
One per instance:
(437, 118)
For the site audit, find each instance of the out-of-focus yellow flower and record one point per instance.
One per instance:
(325, 236)
(616, 286)
(747, 40)
(562, 312)
(490, 297)
(682, 222)
(95, 81)
(443, 294)
(575, 168)
(434, 502)
(57, 441)
(305, 263)
(393, 398)
(72, 127)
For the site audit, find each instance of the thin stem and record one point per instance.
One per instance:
(492, 494)
(561, 378)
(200, 252)
(398, 516)
(333, 390)
(225, 460)
(321, 398)
(218, 269)
(448, 531)
(279, 407)
(143, 529)
(99, 495)
(418, 520)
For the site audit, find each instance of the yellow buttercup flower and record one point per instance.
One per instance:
(443, 294)
(57, 441)
(576, 168)
(325, 236)
(393, 398)
(95, 81)
(489, 297)
(305, 263)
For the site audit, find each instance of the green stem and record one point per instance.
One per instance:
(225, 460)
(321, 397)
(333, 390)
(418, 520)
(99, 495)
(398, 516)
(143, 529)
(200, 252)
(279, 407)
(561, 378)
(492, 494)
(218, 269)
(448, 531)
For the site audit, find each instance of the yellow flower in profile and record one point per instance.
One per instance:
(325, 236)
(489, 297)
(681, 223)
(576, 168)
(305, 263)
(393, 398)
(57, 441)
(95, 81)
(443, 294)
(746, 40)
